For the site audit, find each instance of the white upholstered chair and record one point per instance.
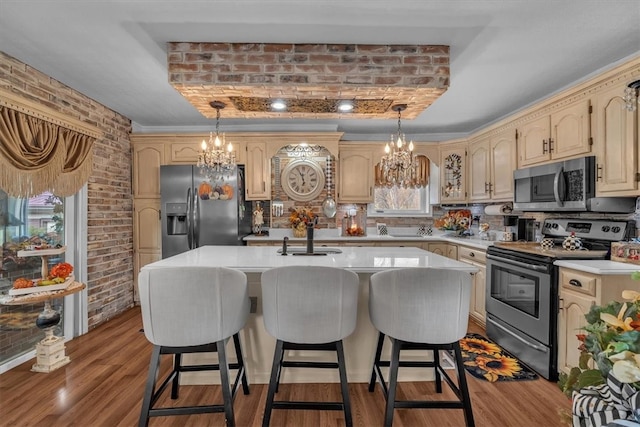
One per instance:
(309, 308)
(192, 310)
(426, 309)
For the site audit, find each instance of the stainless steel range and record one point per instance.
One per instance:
(522, 287)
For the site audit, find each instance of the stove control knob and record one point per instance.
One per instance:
(606, 228)
(615, 229)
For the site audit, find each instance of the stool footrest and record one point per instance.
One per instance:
(331, 406)
(441, 404)
(299, 364)
(186, 410)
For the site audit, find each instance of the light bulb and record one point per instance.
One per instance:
(411, 146)
(229, 147)
(387, 149)
(218, 143)
(204, 145)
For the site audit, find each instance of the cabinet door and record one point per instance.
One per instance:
(187, 152)
(258, 172)
(479, 170)
(617, 151)
(477, 309)
(570, 131)
(533, 142)
(356, 175)
(503, 163)
(453, 175)
(438, 248)
(573, 307)
(452, 252)
(147, 158)
(147, 236)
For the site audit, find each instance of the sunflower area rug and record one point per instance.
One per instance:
(486, 360)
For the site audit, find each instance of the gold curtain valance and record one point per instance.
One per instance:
(41, 150)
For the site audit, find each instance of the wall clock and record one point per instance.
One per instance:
(302, 180)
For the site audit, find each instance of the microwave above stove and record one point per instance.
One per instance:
(567, 186)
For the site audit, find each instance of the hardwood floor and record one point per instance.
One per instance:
(103, 386)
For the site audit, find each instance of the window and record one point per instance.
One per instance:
(396, 201)
(23, 222)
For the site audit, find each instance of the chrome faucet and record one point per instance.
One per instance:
(284, 245)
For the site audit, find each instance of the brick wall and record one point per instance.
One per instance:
(110, 203)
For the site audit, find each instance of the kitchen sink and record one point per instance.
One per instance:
(298, 250)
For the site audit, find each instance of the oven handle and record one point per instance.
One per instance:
(534, 267)
(536, 347)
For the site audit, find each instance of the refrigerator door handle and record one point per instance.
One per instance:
(189, 225)
(196, 220)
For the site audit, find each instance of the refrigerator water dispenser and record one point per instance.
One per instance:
(176, 218)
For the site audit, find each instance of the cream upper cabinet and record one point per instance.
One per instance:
(356, 174)
(566, 132)
(186, 152)
(491, 164)
(571, 130)
(258, 172)
(453, 177)
(147, 158)
(533, 142)
(615, 143)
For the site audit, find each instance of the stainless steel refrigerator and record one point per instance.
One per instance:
(196, 212)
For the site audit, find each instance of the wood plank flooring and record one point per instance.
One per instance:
(103, 386)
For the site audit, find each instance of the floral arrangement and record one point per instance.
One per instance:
(454, 220)
(612, 342)
(301, 217)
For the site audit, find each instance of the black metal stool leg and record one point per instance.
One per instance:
(436, 366)
(273, 383)
(175, 384)
(150, 388)
(225, 383)
(240, 358)
(279, 370)
(344, 385)
(376, 362)
(393, 382)
(462, 385)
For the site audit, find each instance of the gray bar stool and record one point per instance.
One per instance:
(420, 309)
(193, 310)
(309, 308)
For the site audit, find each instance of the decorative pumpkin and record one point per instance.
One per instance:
(204, 190)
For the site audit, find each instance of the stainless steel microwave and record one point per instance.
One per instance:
(568, 186)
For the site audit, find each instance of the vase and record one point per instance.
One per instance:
(299, 231)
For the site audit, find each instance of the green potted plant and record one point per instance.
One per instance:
(608, 374)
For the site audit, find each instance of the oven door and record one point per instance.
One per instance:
(519, 293)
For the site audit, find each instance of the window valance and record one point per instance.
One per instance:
(42, 149)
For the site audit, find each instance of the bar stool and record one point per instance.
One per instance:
(309, 308)
(193, 310)
(420, 309)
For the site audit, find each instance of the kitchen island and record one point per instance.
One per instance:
(258, 345)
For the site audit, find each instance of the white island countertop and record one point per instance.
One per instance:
(256, 259)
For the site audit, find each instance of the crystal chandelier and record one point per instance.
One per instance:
(217, 159)
(631, 99)
(398, 165)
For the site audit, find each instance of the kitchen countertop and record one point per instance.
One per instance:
(256, 259)
(601, 267)
(332, 235)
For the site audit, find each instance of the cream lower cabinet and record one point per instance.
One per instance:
(477, 258)
(578, 292)
(147, 246)
(445, 249)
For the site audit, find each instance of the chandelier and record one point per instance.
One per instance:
(631, 99)
(398, 166)
(217, 159)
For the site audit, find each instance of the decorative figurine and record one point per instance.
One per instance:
(258, 219)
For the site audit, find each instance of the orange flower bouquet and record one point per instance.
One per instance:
(299, 218)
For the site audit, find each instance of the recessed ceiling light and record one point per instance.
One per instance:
(279, 105)
(345, 106)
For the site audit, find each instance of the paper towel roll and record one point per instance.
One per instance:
(503, 209)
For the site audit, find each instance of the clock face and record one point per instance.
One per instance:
(303, 180)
